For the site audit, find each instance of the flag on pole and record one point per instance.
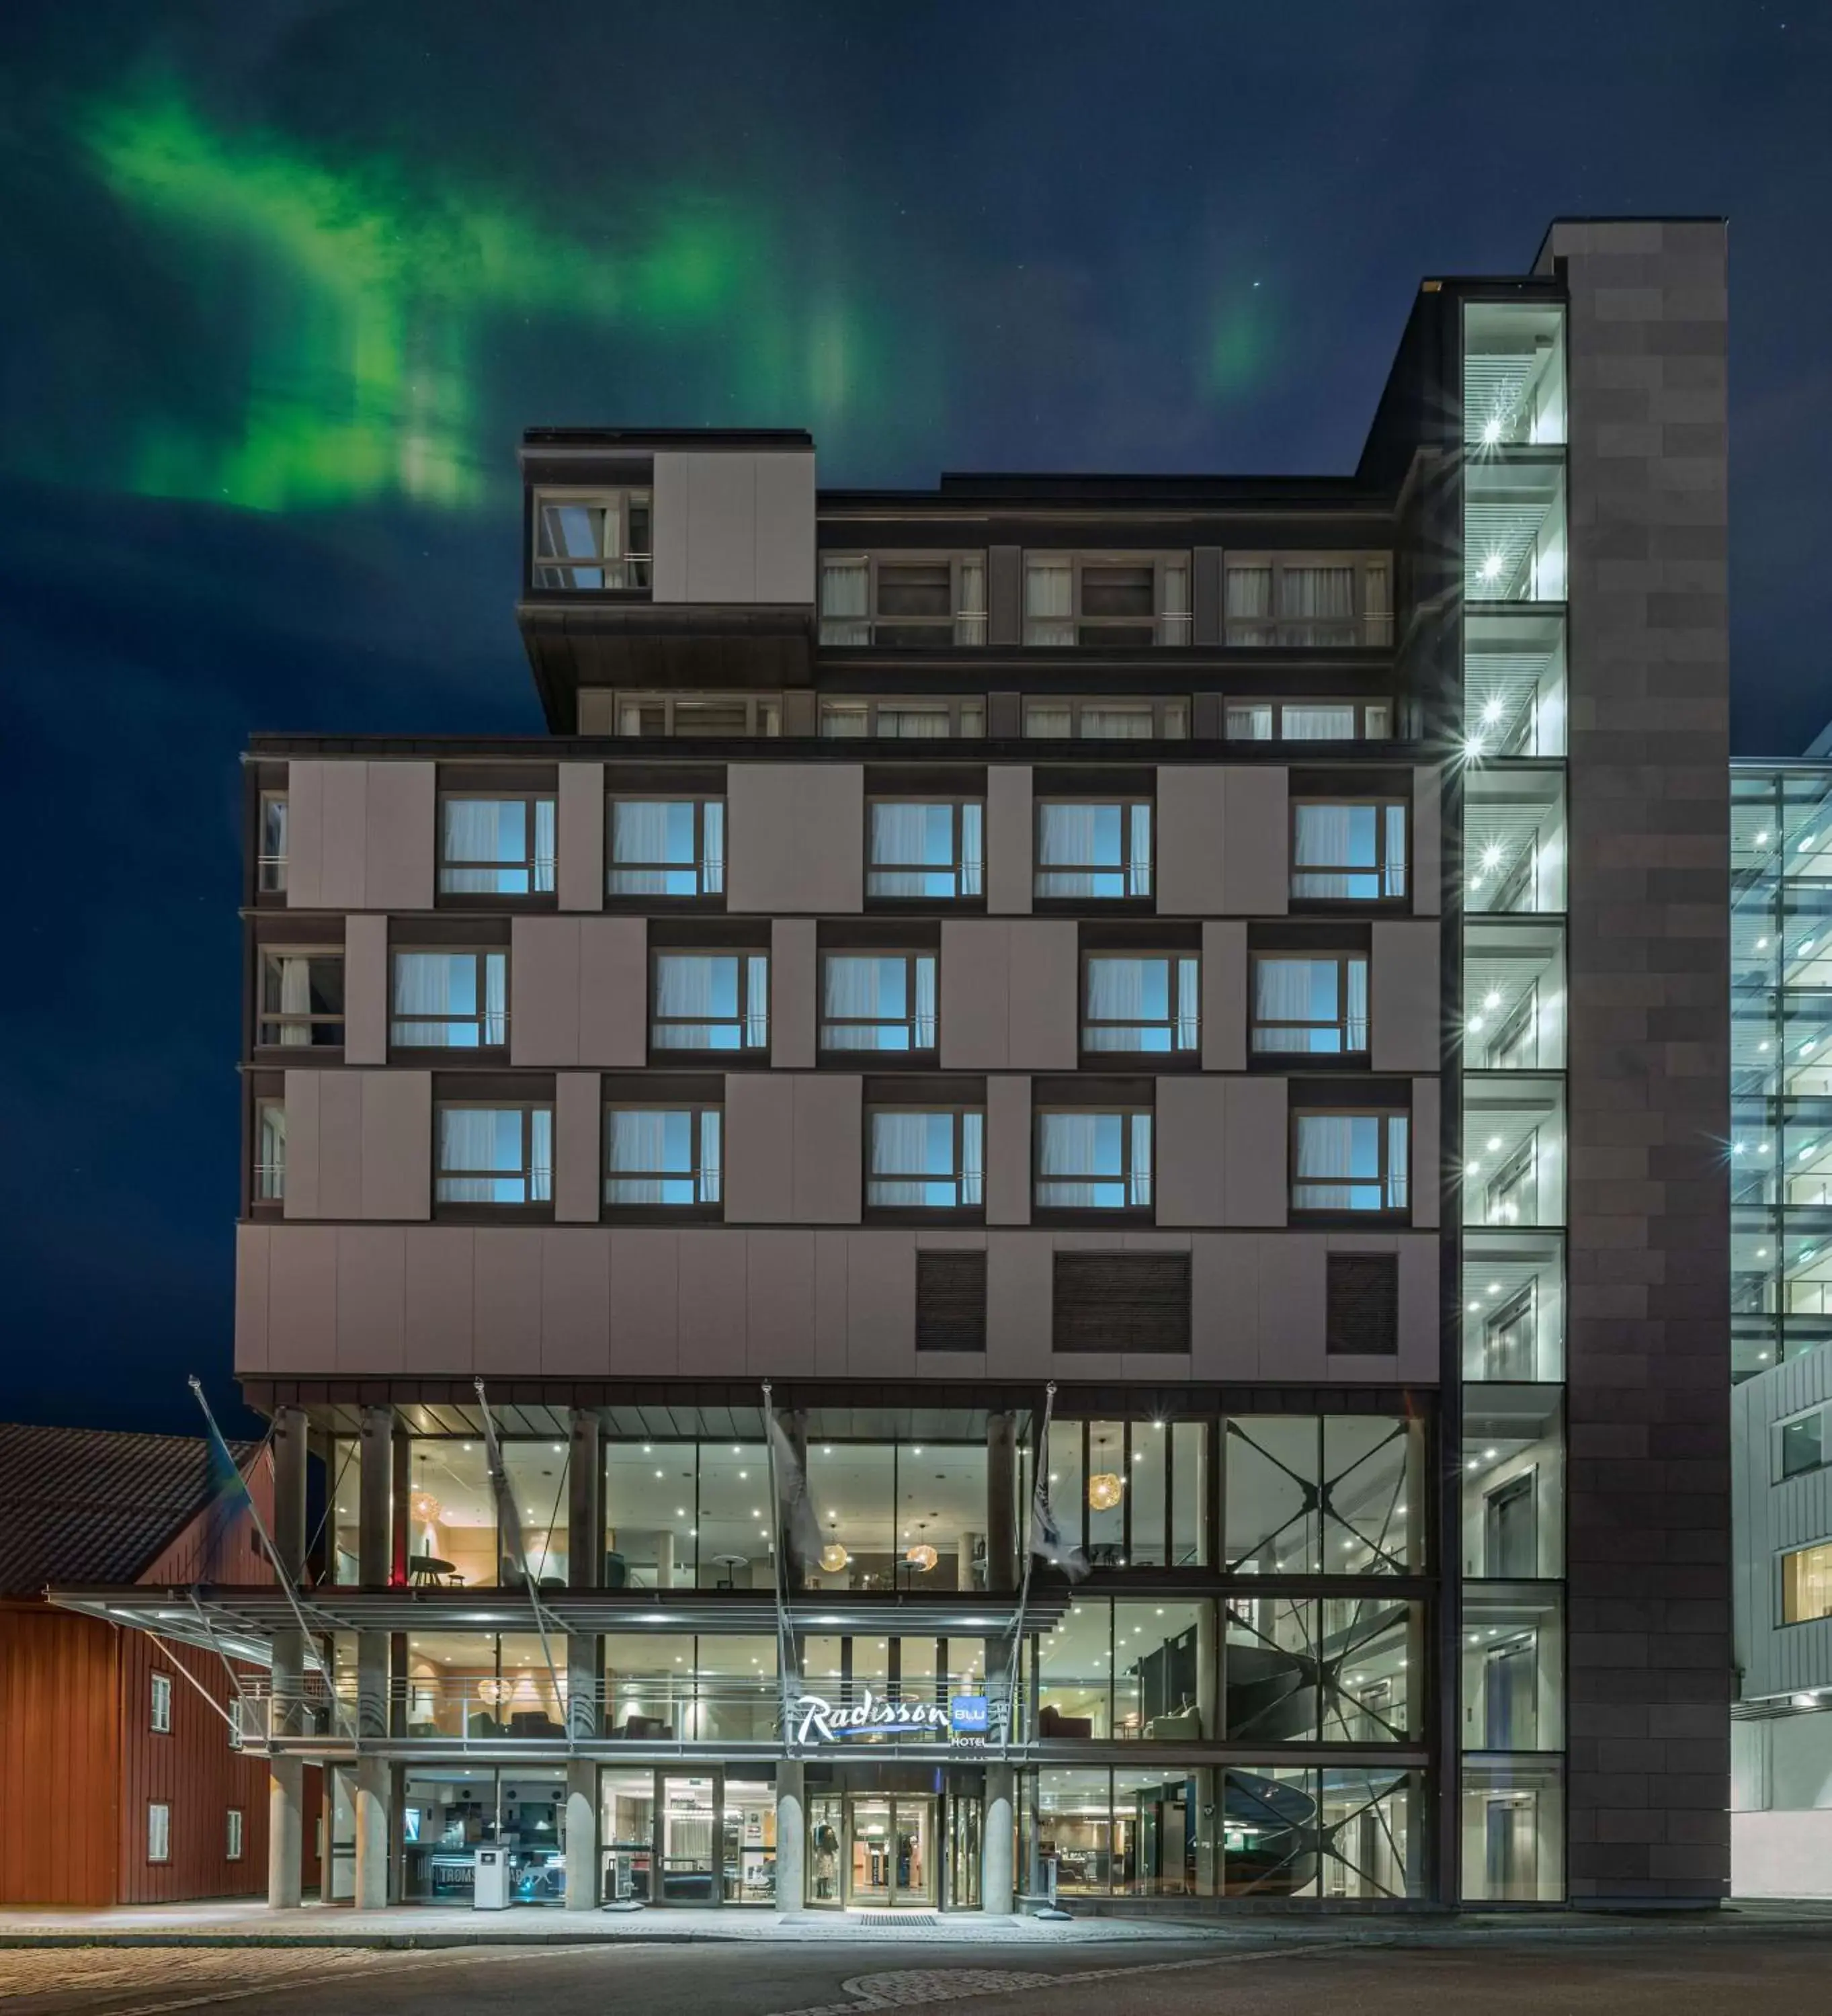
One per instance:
(801, 1530)
(228, 1497)
(1046, 1536)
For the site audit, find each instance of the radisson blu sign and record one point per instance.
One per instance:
(967, 1718)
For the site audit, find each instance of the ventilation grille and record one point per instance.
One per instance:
(1122, 1302)
(950, 1302)
(1363, 1320)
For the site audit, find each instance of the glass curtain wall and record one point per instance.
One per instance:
(1781, 1062)
(1513, 1292)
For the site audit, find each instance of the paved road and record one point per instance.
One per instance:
(1680, 1974)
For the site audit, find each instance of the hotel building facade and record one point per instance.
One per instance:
(1248, 954)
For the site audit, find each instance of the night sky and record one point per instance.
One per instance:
(281, 281)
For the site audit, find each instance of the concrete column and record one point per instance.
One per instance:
(285, 1840)
(585, 1713)
(583, 1862)
(285, 1832)
(1206, 1789)
(664, 1558)
(791, 1834)
(376, 1502)
(584, 1531)
(999, 1843)
(1002, 1536)
(374, 1806)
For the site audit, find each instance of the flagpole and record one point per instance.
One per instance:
(1016, 1667)
(504, 1497)
(778, 1549)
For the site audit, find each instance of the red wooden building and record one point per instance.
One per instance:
(120, 1782)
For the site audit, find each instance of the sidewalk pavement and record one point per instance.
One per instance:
(247, 1922)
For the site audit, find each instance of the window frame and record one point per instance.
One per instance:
(704, 895)
(1821, 1415)
(282, 1019)
(956, 707)
(159, 1832)
(158, 1705)
(1381, 868)
(1144, 898)
(1371, 626)
(1173, 1057)
(912, 1052)
(1783, 1556)
(270, 870)
(1365, 711)
(641, 566)
(531, 1207)
(235, 1833)
(763, 715)
(957, 868)
(702, 1208)
(1387, 1210)
(1163, 708)
(1307, 1059)
(960, 1212)
(947, 629)
(267, 1186)
(1134, 1210)
(533, 895)
(481, 1016)
(744, 1014)
(1171, 629)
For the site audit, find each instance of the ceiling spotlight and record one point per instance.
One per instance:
(1492, 708)
(1491, 567)
(1492, 998)
(1492, 434)
(1476, 1025)
(1494, 1142)
(1761, 839)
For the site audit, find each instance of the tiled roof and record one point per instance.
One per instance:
(84, 1504)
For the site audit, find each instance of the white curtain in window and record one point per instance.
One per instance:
(496, 997)
(1282, 993)
(1356, 1029)
(969, 623)
(545, 845)
(1116, 1003)
(859, 986)
(845, 601)
(1399, 1133)
(973, 850)
(1326, 1159)
(1068, 1145)
(1326, 592)
(903, 837)
(428, 984)
(639, 834)
(482, 830)
(1068, 839)
(1394, 883)
(921, 724)
(541, 1155)
(1319, 724)
(900, 1155)
(1249, 592)
(1173, 612)
(1250, 724)
(711, 1158)
(1139, 868)
(1138, 1177)
(684, 983)
(845, 722)
(636, 1148)
(1322, 839)
(1117, 724)
(757, 1001)
(473, 1140)
(295, 997)
(1049, 602)
(712, 865)
(1189, 1003)
(973, 1158)
(1050, 717)
(924, 1006)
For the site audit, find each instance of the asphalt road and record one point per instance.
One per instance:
(1676, 1974)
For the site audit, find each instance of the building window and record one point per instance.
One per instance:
(878, 1001)
(1089, 1160)
(1118, 600)
(669, 1157)
(1348, 853)
(496, 847)
(1309, 721)
(666, 846)
(270, 856)
(1362, 1317)
(270, 1150)
(592, 540)
(158, 1832)
(926, 1161)
(1308, 601)
(1350, 1161)
(950, 1302)
(652, 715)
(904, 720)
(302, 1000)
(1806, 1583)
(916, 601)
(161, 1705)
(233, 1845)
(1087, 850)
(1314, 1003)
(932, 852)
(1802, 1444)
(711, 1001)
(495, 1154)
(1063, 718)
(1511, 1196)
(1146, 1005)
(450, 1001)
(1120, 1301)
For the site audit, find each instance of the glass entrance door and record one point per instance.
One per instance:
(890, 1857)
